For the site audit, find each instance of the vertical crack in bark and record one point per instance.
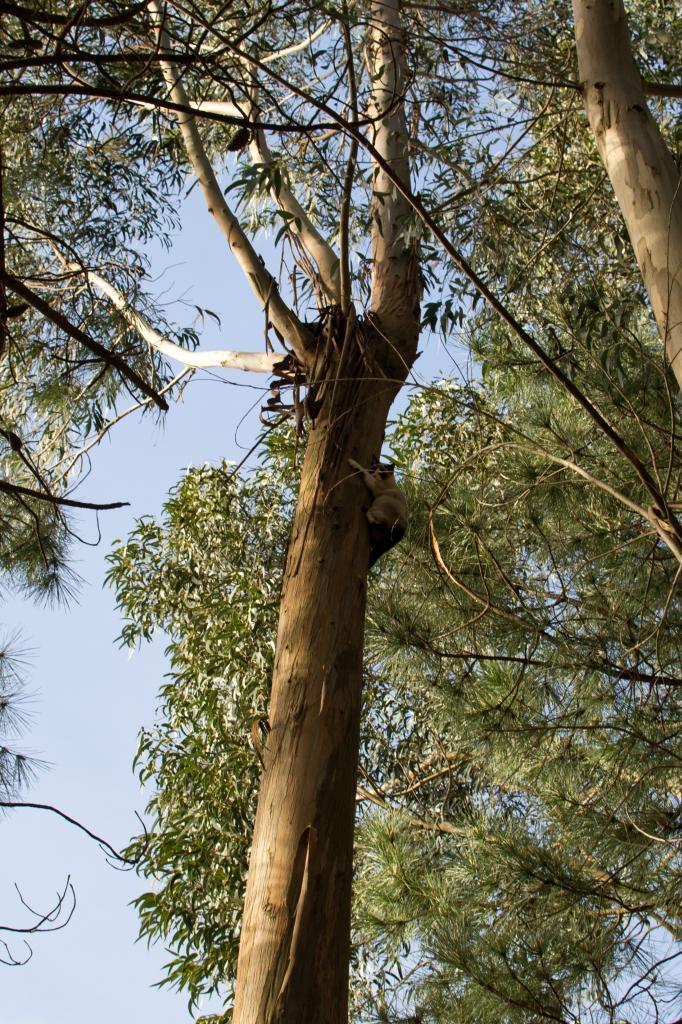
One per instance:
(298, 894)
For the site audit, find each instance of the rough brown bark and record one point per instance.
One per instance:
(294, 948)
(644, 175)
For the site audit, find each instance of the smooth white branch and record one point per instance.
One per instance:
(257, 362)
(300, 225)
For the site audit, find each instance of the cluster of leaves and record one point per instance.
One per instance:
(206, 574)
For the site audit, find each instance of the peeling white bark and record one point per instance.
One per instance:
(644, 175)
(260, 279)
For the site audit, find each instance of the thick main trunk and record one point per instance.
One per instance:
(295, 943)
(643, 173)
(294, 949)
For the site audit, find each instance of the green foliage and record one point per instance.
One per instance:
(530, 866)
(500, 153)
(207, 575)
(518, 850)
(16, 769)
(75, 186)
(519, 836)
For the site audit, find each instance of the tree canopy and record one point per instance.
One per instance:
(519, 783)
(518, 802)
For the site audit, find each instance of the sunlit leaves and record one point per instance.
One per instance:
(206, 574)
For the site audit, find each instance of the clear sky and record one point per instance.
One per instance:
(90, 698)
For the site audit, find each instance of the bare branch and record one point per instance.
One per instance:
(257, 362)
(57, 318)
(47, 918)
(9, 960)
(666, 89)
(297, 47)
(301, 225)
(106, 846)
(221, 108)
(28, 492)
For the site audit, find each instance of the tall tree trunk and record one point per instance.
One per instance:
(643, 173)
(294, 949)
(295, 943)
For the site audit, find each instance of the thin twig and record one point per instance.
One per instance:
(106, 846)
(28, 492)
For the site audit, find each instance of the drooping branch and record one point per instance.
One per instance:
(262, 282)
(103, 843)
(257, 362)
(107, 356)
(46, 919)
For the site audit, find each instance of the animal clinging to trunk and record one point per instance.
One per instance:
(387, 515)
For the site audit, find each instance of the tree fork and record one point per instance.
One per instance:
(295, 941)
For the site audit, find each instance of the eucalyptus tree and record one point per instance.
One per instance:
(260, 75)
(352, 364)
(331, 110)
(641, 167)
(518, 800)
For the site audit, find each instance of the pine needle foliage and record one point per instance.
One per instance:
(529, 865)
(17, 769)
(518, 800)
